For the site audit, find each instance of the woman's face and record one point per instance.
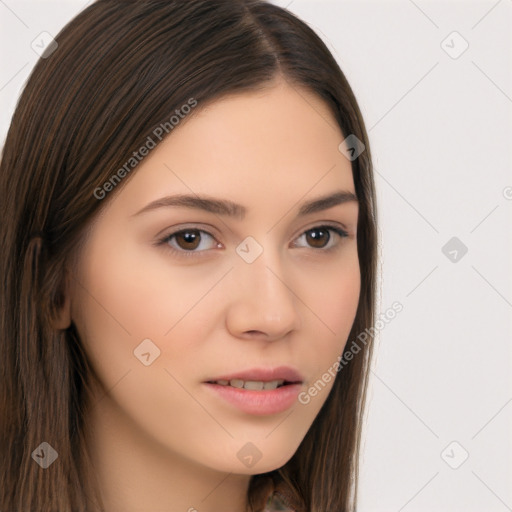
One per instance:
(270, 294)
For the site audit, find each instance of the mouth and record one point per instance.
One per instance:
(259, 391)
(260, 379)
(253, 385)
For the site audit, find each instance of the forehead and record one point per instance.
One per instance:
(274, 145)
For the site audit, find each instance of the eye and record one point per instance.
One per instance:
(189, 241)
(320, 237)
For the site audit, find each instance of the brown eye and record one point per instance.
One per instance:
(318, 237)
(321, 237)
(188, 240)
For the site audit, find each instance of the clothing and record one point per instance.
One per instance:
(277, 504)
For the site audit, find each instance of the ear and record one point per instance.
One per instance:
(62, 309)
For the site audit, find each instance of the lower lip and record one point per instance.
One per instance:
(259, 403)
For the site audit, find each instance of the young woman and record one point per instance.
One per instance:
(188, 246)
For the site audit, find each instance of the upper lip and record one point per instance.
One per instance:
(286, 373)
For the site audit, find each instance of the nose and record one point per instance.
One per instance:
(263, 302)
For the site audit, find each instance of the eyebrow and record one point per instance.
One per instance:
(235, 210)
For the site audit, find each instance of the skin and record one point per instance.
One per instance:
(159, 440)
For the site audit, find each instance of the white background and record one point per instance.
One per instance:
(440, 132)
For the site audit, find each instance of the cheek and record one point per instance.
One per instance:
(138, 289)
(334, 295)
(340, 299)
(121, 301)
(331, 296)
(125, 295)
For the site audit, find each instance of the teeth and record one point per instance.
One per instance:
(252, 385)
(273, 384)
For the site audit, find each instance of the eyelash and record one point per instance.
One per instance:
(181, 252)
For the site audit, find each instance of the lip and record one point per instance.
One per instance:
(260, 403)
(286, 373)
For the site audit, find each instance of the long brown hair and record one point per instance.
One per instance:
(121, 69)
